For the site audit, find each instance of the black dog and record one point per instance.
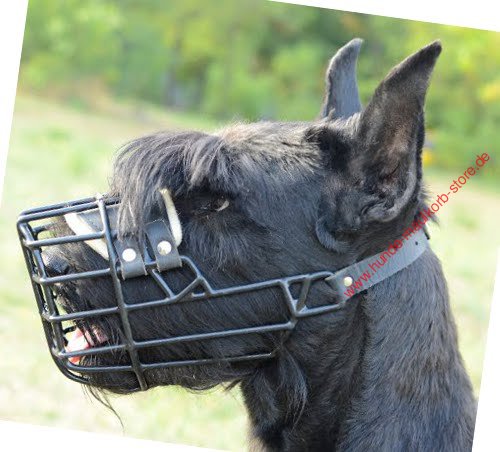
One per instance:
(259, 201)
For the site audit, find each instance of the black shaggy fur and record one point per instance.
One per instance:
(385, 373)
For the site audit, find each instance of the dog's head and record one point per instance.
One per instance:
(255, 202)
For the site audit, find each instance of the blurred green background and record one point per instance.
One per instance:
(96, 73)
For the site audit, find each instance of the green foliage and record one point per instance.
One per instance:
(250, 60)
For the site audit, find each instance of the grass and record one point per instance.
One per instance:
(60, 153)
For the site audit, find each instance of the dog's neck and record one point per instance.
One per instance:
(387, 375)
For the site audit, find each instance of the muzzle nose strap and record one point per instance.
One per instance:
(131, 261)
(162, 243)
(161, 246)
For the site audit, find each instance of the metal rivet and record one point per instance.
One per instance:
(164, 247)
(129, 255)
(348, 281)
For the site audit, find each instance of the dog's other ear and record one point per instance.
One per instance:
(375, 159)
(390, 134)
(341, 97)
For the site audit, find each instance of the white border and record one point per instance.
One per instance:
(12, 19)
(481, 14)
(486, 434)
(28, 437)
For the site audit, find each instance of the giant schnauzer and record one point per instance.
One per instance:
(241, 212)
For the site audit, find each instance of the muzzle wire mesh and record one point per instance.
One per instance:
(32, 223)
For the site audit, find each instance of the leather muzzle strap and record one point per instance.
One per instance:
(364, 274)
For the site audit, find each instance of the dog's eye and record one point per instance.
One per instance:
(202, 203)
(214, 205)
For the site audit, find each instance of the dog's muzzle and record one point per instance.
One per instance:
(94, 222)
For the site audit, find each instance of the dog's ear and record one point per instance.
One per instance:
(375, 160)
(390, 134)
(341, 96)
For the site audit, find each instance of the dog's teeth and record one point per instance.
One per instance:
(77, 342)
(80, 343)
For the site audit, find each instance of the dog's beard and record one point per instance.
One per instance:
(183, 318)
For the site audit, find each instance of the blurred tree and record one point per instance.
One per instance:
(251, 59)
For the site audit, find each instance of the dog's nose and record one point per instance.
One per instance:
(55, 265)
